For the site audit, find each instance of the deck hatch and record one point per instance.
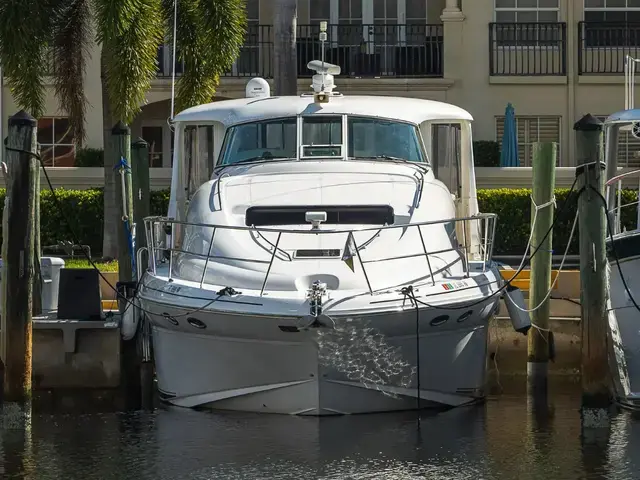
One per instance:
(336, 215)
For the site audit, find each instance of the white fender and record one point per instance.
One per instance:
(519, 319)
(129, 322)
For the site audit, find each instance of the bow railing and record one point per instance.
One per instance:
(472, 238)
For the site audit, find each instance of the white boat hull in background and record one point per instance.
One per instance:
(624, 318)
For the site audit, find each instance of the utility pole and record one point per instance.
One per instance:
(593, 269)
(544, 179)
(18, 268)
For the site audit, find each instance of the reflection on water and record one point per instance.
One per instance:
(506, 438)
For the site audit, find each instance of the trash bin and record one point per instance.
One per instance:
(50, 269)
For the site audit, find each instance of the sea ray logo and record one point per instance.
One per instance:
(448, 286)
(349, 252)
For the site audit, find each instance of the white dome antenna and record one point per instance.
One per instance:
(257, 88)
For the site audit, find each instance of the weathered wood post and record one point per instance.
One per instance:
(18, 268)
(542, 209)
(121, 136)
(141, 209)
(37, 249)
(593, 268)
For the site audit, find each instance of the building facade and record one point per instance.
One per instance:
(553, 60)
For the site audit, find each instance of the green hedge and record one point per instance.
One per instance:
(84, 208)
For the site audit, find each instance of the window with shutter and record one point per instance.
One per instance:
(628, 148)
(530, 130)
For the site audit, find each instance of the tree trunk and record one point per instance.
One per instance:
(111, 212)
(285, 15)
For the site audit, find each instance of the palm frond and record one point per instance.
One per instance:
(25, 32)
(130, 32)
(209, 36)
(71, 28)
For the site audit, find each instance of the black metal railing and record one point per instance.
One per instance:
(375, 50)
(255, 59)
(528, 49)
(603, 46)
(360, 50)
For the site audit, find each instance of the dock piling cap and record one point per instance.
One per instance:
(588, 123)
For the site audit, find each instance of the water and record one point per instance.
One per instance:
(502, 439)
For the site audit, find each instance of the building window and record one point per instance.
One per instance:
(531, 130)
(628, 148)
(528, 23)
(612, 23)
(57, 145)
(527, 11)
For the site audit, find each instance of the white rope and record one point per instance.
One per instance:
(173, 58)
(544, 205)
(553, 284)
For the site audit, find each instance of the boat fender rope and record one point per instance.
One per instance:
(130, 244)
(408, 293)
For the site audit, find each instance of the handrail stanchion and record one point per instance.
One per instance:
(364, 270)
(465, 247)
(206, 262)
(273, 256)
(619, 212)
(426, 254)
(170, 259)
(485, 229)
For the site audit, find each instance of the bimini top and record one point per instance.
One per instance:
(624, 116)
(412, 110)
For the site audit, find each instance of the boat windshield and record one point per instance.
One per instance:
(322, 137)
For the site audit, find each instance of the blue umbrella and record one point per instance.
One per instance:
(509, 152)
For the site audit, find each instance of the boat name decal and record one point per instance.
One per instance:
(172, 288)
(454, 285)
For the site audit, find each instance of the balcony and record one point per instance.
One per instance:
(528, 49)
(603, 46)
(362, 51)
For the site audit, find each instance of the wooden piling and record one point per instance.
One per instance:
(141, 209)
(544, 168)
(121, 137)
(593, 267)
(141, 192)
(18, 267)
(37, 248)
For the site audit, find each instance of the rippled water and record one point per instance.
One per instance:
(502, 439)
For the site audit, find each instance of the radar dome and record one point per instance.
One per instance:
(257, 88)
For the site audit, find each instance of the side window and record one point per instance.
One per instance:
(445, 147)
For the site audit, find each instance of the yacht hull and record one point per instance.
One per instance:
(342, 365)
(624, 336)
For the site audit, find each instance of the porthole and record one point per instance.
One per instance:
(465, 315)
(194, 322)
(170, 319)
(439, 320)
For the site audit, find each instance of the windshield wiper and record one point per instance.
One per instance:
(251, 160)
(424, 167)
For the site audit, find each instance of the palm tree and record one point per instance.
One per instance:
(209, 34)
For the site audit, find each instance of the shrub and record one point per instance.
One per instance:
(84, 209)
(486, 153)
(89, 157)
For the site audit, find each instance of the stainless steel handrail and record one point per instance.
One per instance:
(484, 243)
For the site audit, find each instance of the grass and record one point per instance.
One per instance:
(82, 263)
